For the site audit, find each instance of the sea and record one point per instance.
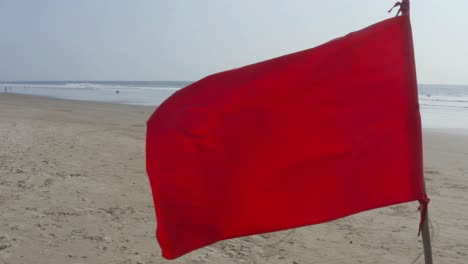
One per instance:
(442, 106)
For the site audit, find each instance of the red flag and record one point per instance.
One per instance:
(293, 141)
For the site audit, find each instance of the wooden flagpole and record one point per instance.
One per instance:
(404, 9)
(426, 237)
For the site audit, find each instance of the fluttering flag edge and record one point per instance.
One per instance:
(172, 256)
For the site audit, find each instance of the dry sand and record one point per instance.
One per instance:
(73, 189)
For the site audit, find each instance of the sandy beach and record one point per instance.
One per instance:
(73, 189)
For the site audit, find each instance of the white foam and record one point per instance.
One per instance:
(444, 101)
(87, 86)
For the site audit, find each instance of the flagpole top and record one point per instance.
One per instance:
(404, 7)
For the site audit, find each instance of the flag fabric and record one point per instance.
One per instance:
(297, 140)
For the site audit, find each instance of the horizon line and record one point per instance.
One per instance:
(185, 81)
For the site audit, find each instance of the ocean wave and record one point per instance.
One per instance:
(87, 86)
(457, 99)
(91, 85)
(444, 106)
(444, 101)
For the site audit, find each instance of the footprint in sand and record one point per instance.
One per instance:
(6, 242)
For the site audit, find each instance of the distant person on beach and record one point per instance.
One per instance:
(6, 89)
(117, 91)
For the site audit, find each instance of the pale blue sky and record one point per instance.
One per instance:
(186, 40)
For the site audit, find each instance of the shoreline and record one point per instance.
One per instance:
(141, 96)
(446, 131)
(18, 96)
(73, 189)
(441, 130)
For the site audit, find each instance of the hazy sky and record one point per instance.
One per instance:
(188, 39)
